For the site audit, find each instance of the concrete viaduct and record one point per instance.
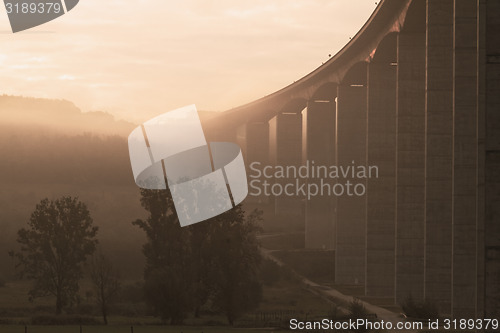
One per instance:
(417, 93)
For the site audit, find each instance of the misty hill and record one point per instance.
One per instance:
(49, 148)
(59, 116)
(49, 116)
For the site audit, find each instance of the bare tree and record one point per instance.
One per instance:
(106, 281)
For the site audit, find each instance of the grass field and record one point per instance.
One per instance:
(125, 329)
(283, 299)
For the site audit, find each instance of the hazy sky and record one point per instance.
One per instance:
(139, 58)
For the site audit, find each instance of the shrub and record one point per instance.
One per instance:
(87, 309)
(213, 322)
(335, 313)
(41, 309)
(130, 309)
(64, 320)
(425, 309)
(357, 310)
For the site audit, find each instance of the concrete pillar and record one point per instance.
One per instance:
(255, 142)
(492, 161)
(410, 166)
(381, 191)
(465, 159)
(253, 138)
(319, 149)
(439, 154)
(285, 149)
(481, 135)
(351, 210)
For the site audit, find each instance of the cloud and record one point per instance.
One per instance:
(67, 77)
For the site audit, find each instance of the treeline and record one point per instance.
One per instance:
(86, 159)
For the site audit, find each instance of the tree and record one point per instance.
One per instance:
(201, 261)
(59, 237)
(168, 283)
(106, 281)
(235, 264)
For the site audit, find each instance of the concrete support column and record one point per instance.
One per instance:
(481, 153)
(285, 149)
(381, 191)
(319, 149)
(253, 138)
(410, 166)
(351, 210)
(439, 154)
(465, 155)
(492, 161)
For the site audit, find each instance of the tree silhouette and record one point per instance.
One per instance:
(106, 281)
(167, 275)
(213, 262)
(59, 237)
(235, 261)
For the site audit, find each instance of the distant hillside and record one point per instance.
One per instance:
(50, 148)
(59, 116)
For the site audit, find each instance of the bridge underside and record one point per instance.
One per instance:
(417, 94)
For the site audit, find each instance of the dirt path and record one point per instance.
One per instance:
(340, 299)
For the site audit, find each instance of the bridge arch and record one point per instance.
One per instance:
(295, 105)
(387, 50)
(415, 17)
(356, 75)
(326, 92)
